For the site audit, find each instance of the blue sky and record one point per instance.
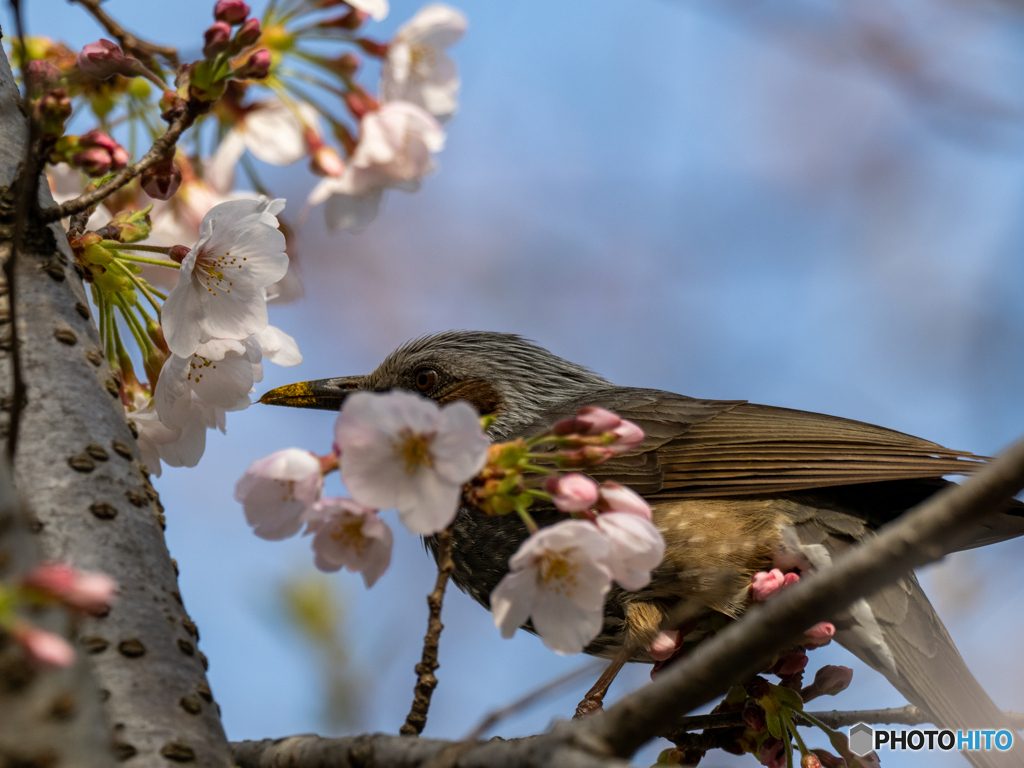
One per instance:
(680, 196)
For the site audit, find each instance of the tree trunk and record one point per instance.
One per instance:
(78, 469)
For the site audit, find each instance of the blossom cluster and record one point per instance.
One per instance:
(400, 450)
(52, 584)
(287, 85)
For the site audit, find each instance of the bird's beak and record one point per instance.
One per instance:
(325, 394)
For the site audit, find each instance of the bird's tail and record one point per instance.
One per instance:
(924, 665)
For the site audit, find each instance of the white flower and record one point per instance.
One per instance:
(220, 373)
(393, 153)
(637, 548)
(349, 535)
(272, 131)
(401, 450)
(559, 580)
(278, 347)
(181, 446)
(397, 141)
(615, 497)
(417, 69)
(377, 9)
(277, 490)
(220, 285)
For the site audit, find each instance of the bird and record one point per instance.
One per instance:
(729, 483)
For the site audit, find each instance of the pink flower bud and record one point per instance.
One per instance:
(326, 162)
(665, 644)
(217, 39)
(247, 34)
(589, 420)
(829, 680)
(764, 584)
(818, 635)
(118, 155)
(95, 161)
(230, 11)
(772, 753)
(573, 492)
(360, 104)
(588, 456)
(619, 498)
(256, 67)
(179, 252)
(104, 59)
(44, 647)
(83, 590)
(627, 437)
(790, 663)
(162, 180)
(810, 760)
(41, 75)
(828, 759)
(754, 716)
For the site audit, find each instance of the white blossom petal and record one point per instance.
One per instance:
(277, 490)
(351, 536)
(637, 548)
(377, 9)
(278, 347)
(512, 600)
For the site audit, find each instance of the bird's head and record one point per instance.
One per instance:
(497, 373)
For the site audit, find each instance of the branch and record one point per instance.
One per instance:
(426, 682)
(156, 153)
(386, 751)
(920, 536)
(495, 716)
(141, 49)
(908, 715)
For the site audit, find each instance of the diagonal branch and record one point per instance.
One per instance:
(922, 535)
(140, 49)
(156, 153)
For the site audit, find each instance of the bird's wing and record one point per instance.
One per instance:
(709, 449)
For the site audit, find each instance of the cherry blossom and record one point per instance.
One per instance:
(220, 285)
(349, 535)
(616, 497)
(558, 578)
(637, 548)
(271, 130)
(417, 69)
(277, 490)
(393, 153)
(402, 450)
(765, 584)
(574, 492)
(828, 681)
(220, 373)
(42, 646)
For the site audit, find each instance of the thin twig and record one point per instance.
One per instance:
(161, 147)
(495, 716)
(141, 49)
(908, 715)
(26, 187)
(426, 682)
(921, 535)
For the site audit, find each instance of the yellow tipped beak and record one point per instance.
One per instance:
(325, 394)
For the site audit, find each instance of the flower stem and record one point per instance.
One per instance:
(111, 348)
(143, 287)
(788, 717)
(146, 260)
(528, 521)
(134, 326)
(787, 742)
(113, 245)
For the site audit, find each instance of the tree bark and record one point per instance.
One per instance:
(78, 467)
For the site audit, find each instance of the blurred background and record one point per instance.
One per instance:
(813, 204)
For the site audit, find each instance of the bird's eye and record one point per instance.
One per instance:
(426, 378)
